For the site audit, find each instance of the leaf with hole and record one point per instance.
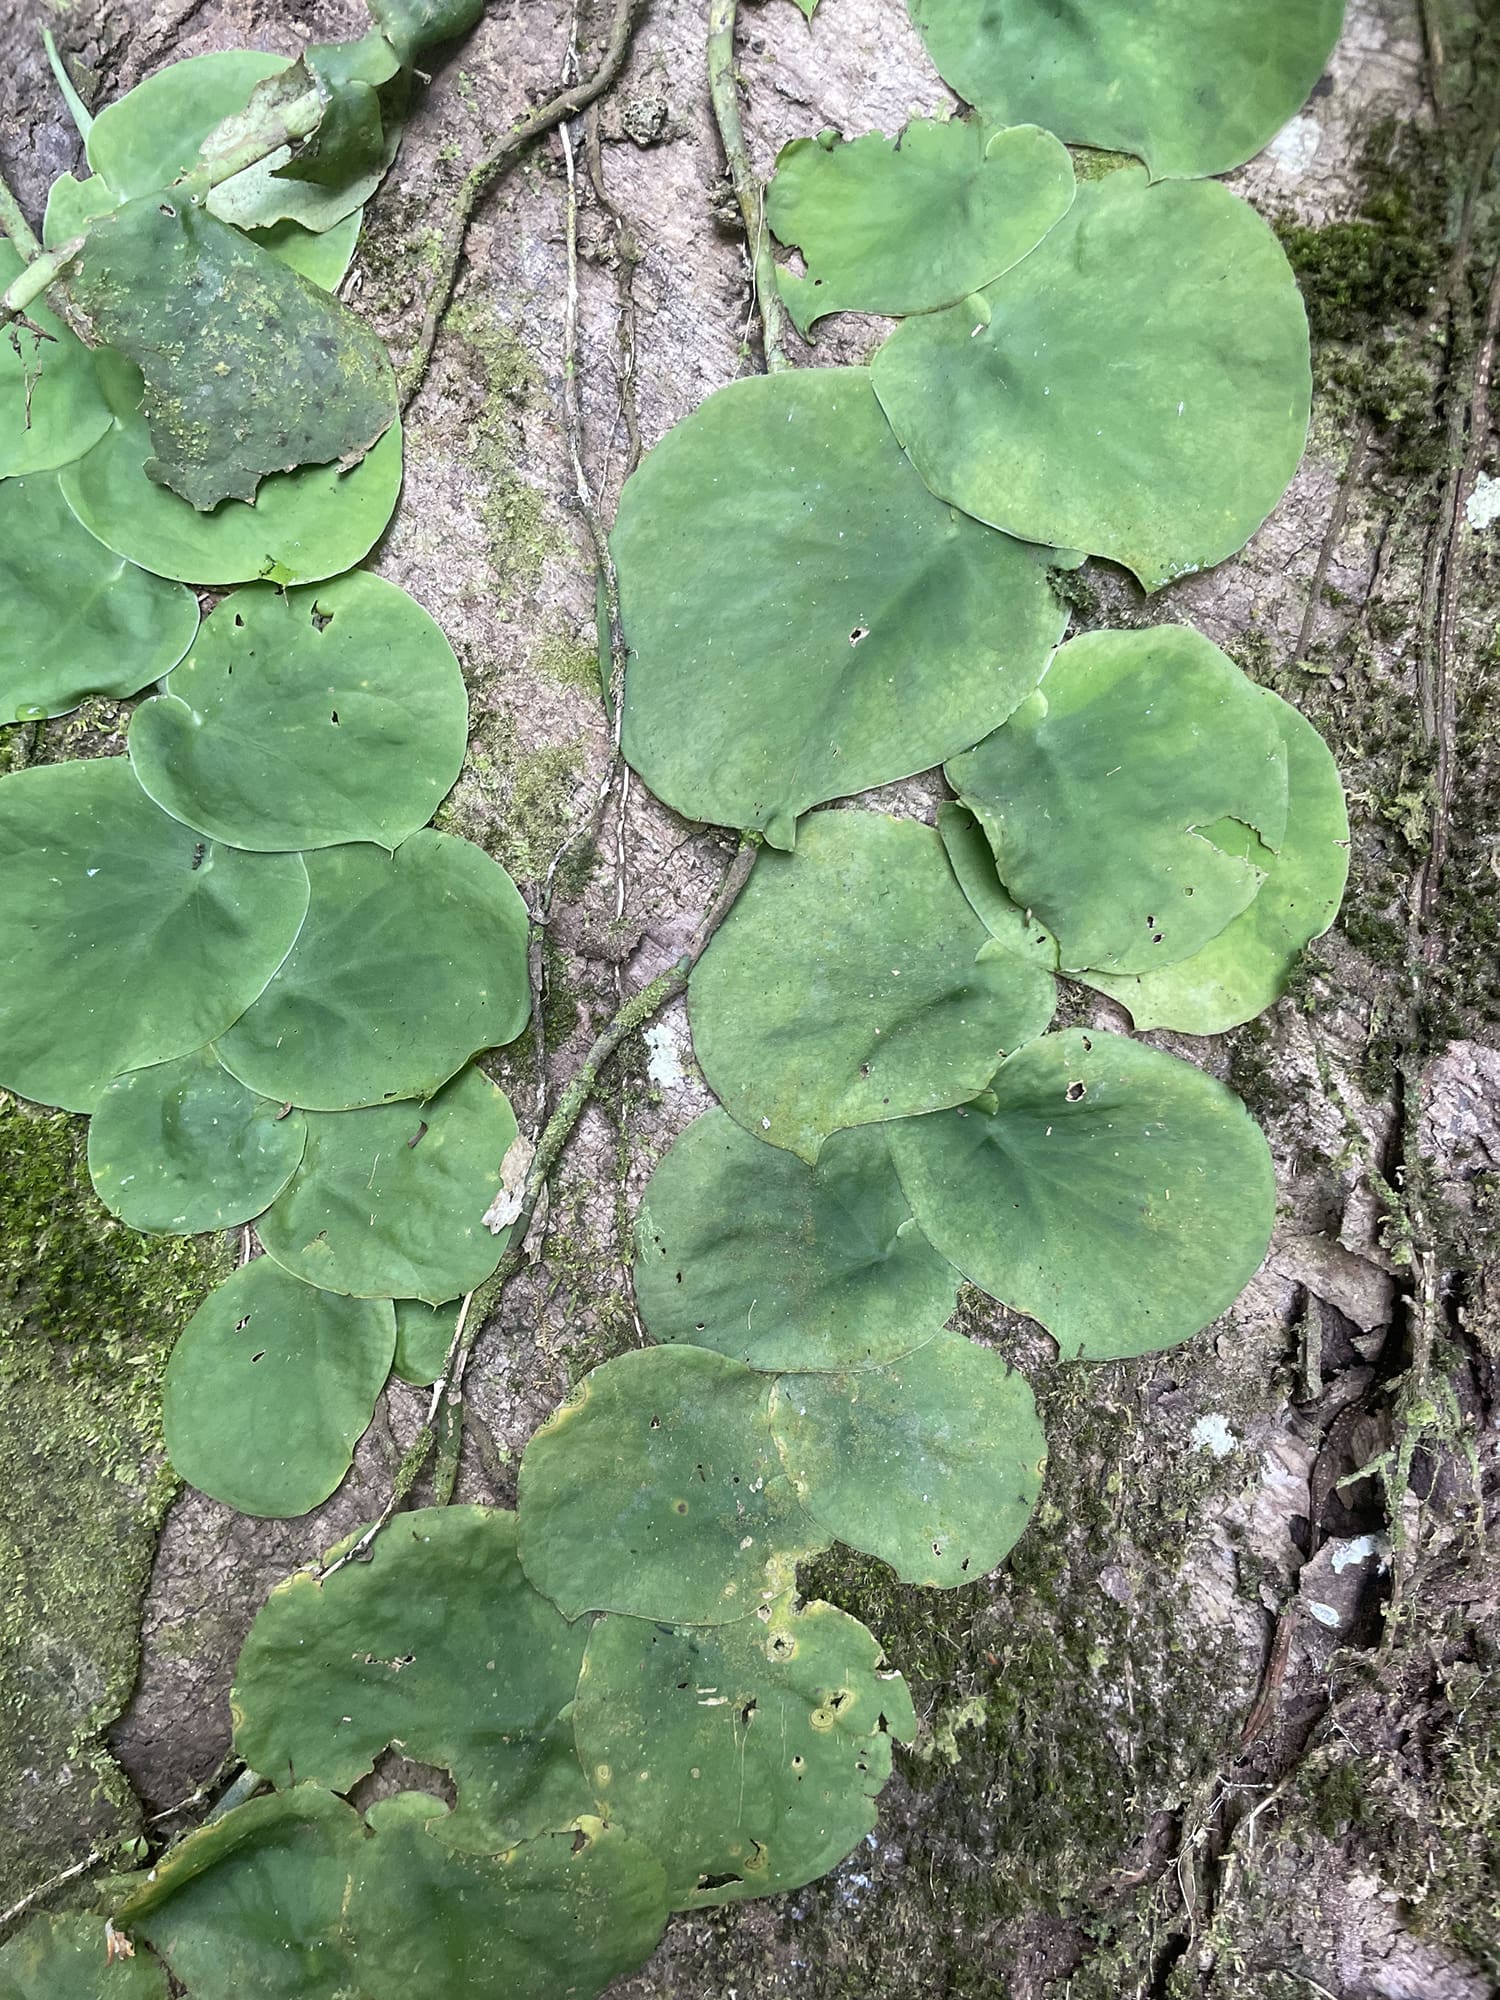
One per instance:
(1106, 797)
(744, 1248)
(748, 1756)
(129, 940)
(249, 368)
(1119, 1196)
(253, 1903)
(307, 718)
(1190, 86)
(1246, 968)
(184, 1147)
(269, 1388)
(907, 224)
(408, 964)
(390, 1202)
(52, 400)
(562, 1914)
(1139, 386)
(424, 1335)
(856, 630)
(304, 525)
(933, 1462)
(656, 1490)
(76, 619)
(436, 1642)
(853, 984)
(68, 1958)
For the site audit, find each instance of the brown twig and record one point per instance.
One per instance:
(1338, 514)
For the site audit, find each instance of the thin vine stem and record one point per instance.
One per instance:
(13, 222)
(724, 90)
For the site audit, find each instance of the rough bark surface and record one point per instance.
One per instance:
(1227, 1723)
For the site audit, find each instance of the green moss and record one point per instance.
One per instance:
(521, 532)
(88, 1314)
(569, 661)
(514, 803)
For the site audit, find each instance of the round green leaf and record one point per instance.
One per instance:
(1190, 86)
(67, 1958)
(656, 1490)
(1104, 797)
(1117, 1195)
(933, 1462)
(183, 1147)
(128, 940)
(253, 1903)
(390, 1202)
(76, 619)
(853, 984)
(302, 527)
(857, 630)
(746, 1756)
(408, 964)
(307, 718)
(52, 402)
(903, 225)
(437, 1643)
(270, 1387)
(743, 1248)
(973, 865)
(424, 1335)
(1139, 386)
(1247, 966)
(562, 1914)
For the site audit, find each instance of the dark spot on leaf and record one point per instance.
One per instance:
(747, 1711)
(321, 620)
(199, 850)
(422, 1126)
(1075, 1091)
(334, 717)
(679, 1506)
(859, 632)
(241, 1324)
(259, 1357)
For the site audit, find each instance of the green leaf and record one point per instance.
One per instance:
(1103, 797)
(128, 940)
(933, 1462)
(563, 1914)
(413, 25)
(1247, 966)
(408, 964)
(853, 984)
(66, 1958)
(307, 718)
(1190, 86)
(270, 1387)
(390, 1202)
(424, 1335)
(183, 1147)
(437, 1643)
(52, 404)
(904, 225)
(253, 1902)
(655, 1489)
(303, 526)
(249, 368)
(973, 866)
(856, 631)
(1139, 386)
(1119, 1196)
(76, 619)
(746, 1756)
(742, 1248)
(72, 205)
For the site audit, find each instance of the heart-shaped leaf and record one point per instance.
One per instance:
(75, 618)
(269, 1388)
(307, 718)
(184, 1147)
(390, 1202)
(932, 1462)
(436, 1642)
(1191, 86)
(852, 984)
(1119, 1196)
(856, 631)
(1104, 797)
(129, 940)
(656, 1490)
(408, 964)
(743, 1248)
(1139, 386)
(52, 399)
(904, 225)
(746, 1756)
